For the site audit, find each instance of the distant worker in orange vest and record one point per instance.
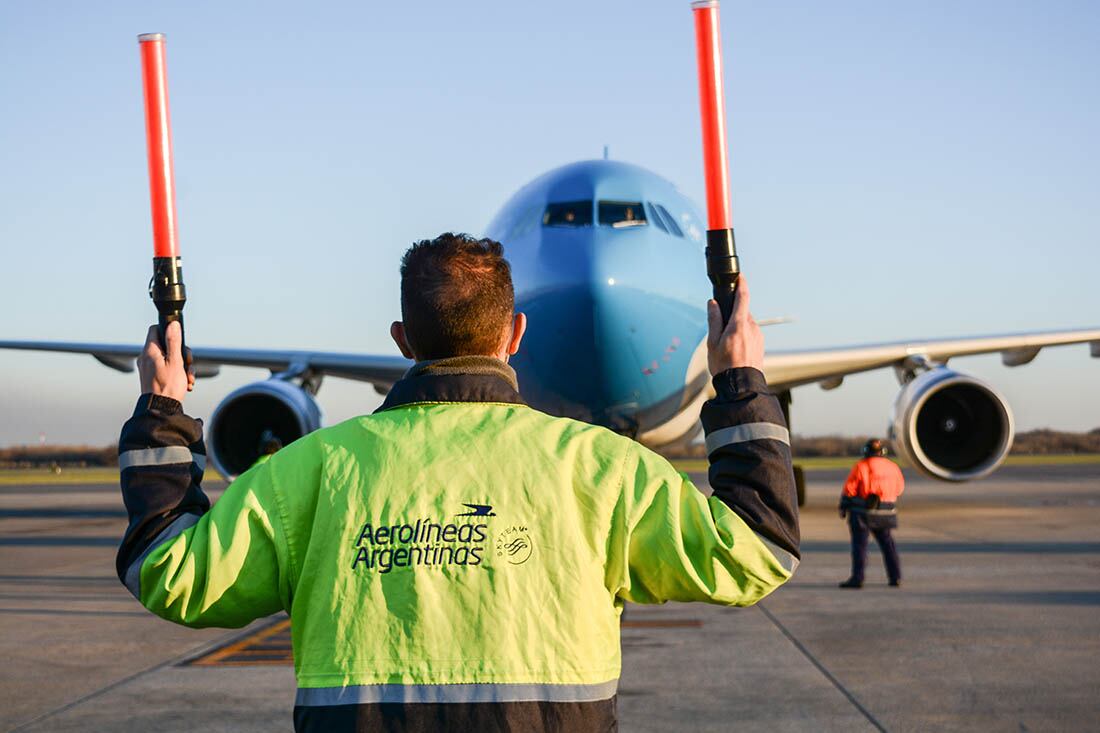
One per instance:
(869, 501)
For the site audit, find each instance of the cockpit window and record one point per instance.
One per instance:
(657, 219)
(568, 214)
(524, 222)
(622, 214)
(670, 221)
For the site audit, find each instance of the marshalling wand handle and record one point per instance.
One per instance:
(166, 287)
(721, 252)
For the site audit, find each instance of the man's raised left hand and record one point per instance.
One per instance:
(165, 375)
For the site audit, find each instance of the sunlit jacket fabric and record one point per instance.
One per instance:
(457, 560)
(876, 476)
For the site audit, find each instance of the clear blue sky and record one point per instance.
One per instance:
(900, 170)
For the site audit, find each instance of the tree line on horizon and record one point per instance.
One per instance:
(1031, 442)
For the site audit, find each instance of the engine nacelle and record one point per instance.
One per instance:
(234, 433)
(951, 426)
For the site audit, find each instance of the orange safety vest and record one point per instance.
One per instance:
(875, 475)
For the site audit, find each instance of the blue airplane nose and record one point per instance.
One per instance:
(606, 353)
(607, 263)
(574, 360)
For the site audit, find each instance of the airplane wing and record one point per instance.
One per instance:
(380, 370)
(786, 369)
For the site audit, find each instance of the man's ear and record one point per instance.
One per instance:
(397, 333)
(519, 327)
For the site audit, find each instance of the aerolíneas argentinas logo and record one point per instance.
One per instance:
(478, 510)
(424, 543)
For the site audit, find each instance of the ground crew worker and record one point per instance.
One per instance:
(269, 446)
(417, 549)
(869, 500)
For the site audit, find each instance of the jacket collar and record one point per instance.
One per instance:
(457, 379)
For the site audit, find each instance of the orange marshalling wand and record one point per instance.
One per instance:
(721, 252)
(166, 288)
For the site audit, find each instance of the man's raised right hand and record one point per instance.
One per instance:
(740, 343)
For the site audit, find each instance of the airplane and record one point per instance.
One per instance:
(606, 260)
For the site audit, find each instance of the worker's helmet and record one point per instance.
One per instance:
(874, 447)
(269, 443)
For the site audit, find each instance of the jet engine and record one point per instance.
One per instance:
(951, 426)
(237, 427)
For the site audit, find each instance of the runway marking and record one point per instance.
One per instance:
(271, 645)
(821, 668)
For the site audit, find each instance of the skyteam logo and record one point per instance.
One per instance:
(515, 545)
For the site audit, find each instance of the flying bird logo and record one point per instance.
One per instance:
(479, 510)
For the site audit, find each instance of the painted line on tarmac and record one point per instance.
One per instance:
(251, 649)
(821, 668)
(271, 645)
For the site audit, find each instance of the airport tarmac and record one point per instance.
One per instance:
(996, 627)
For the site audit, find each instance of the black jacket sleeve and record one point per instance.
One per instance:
(748, 446)
(161, 462)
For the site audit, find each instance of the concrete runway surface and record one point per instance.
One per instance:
(997, 626)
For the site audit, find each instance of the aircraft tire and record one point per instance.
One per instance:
(800, 484)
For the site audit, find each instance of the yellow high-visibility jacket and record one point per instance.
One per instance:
(466, 559)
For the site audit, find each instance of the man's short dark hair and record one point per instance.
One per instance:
(456, 296)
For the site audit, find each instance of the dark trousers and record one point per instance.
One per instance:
(857, 525)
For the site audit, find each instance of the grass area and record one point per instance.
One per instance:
(699, 465)
(44, 477)
(1054, 460)
(40, 476)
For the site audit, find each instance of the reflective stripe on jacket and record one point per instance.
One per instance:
(458, 553)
